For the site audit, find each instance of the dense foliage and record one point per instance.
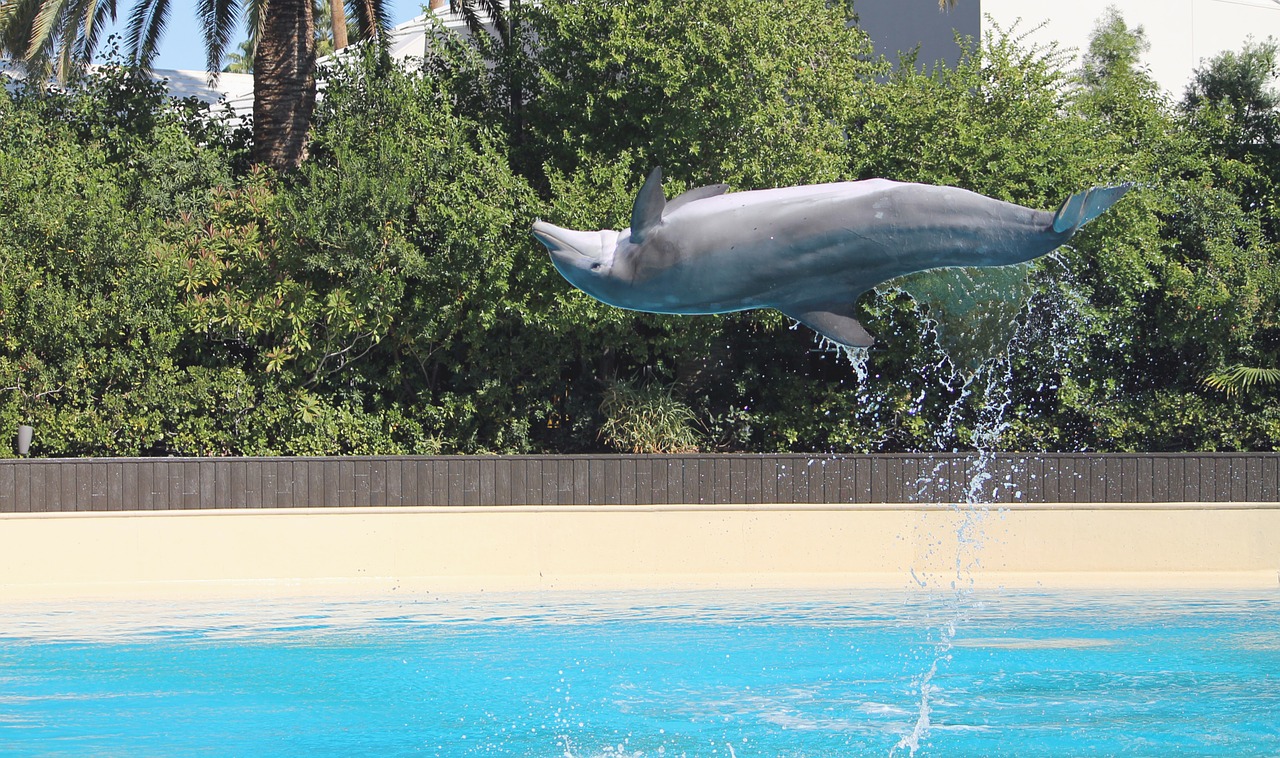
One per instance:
(159, 295)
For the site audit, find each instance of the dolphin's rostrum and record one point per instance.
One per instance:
(807, 251)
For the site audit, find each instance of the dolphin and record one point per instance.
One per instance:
(808, 251)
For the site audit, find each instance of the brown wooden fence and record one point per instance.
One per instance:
(113, 484)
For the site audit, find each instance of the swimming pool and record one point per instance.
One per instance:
(760, 673)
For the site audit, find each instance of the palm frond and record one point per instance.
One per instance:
(217, 20)
(49, 16)
(474, 11)
(38, 33)
(146, 27)
(1233, 380)
(98, 15)
(373, 19)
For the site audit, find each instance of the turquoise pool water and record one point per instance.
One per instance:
(635, 674)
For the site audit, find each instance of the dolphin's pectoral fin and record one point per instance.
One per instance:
(835, 321)
(648, 208)
(700, 193)
(1083, 207)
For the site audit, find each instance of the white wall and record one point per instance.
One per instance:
(1182, 33)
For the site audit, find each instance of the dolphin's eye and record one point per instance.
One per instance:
(596, 266)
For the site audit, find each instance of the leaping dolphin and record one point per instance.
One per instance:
(807, 251)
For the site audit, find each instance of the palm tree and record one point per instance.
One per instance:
(39, 32)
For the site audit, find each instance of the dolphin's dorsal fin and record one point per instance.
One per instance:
(1083, 207)
(835, 321)
(647, 211)
(701, 193)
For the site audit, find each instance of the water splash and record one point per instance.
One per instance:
(978, 318)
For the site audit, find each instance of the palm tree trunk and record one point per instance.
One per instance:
(284, 84)
(338, 20)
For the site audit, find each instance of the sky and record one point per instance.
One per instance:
(182, 47)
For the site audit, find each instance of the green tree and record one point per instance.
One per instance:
(712, 91)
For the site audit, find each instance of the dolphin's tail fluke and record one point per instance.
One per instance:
(1083, 207)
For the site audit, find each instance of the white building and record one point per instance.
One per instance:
(1182, 33)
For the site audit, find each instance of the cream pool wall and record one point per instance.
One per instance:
(370, 549)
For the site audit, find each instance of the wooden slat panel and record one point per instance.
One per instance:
(775, 482)
(612, 481)
(594, 479)
(253, 484)
(130, 499)
(525, 474)
(323, 484)
(173, 479)
(284, 484)
(562, 494)
(752, 471)
(7, 488)
(915, 488)
(1236, 466)
(445, 485)
(293, 487)
(677, 482)
(501, 494)
(1097, 485)
(409, 483)
(236, 476)
(644, 484)
(533, 481)
(1160, 473)
(207, 485)
(550, 480)
(1190, 490)
(737, 482)
(98, 486)
(626, 481)
(471, 469)
(1252, 479)
(82, 486)
(115, 484)
(26, 498)
(270, 483)
(1143, 479)
(1267, 493)
(1079, 481)
(190, 483)
(161, 494)
(1221, 473)
(361, 487)
(392, 468)
(1113, 480)
(879, 481)
(696, 488)
(144, 485)
(310, 492)
(895, 481)
(786, 478)
(378, 482)
(719, 481)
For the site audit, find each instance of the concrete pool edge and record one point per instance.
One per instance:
(377, 551)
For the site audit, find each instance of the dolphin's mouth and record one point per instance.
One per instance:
(546, 234)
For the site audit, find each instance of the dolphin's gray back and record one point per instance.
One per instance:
(829, 240)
